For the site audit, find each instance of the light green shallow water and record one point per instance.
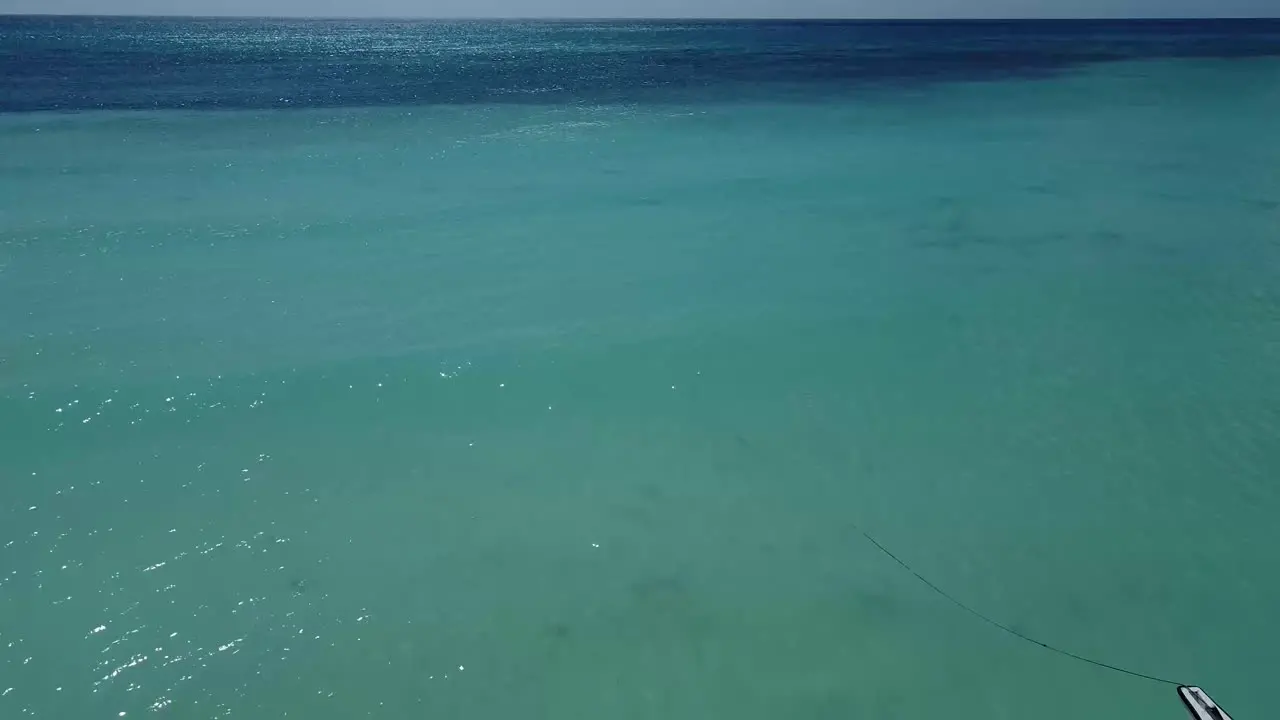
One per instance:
(305, 412)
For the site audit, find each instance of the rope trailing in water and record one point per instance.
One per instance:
(950, 598)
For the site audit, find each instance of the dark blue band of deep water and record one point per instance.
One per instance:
(83, 63)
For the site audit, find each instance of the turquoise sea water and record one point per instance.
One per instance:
(576, 407)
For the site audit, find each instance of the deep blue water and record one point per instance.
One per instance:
(134, 63)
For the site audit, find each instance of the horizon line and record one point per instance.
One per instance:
(638, 18)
